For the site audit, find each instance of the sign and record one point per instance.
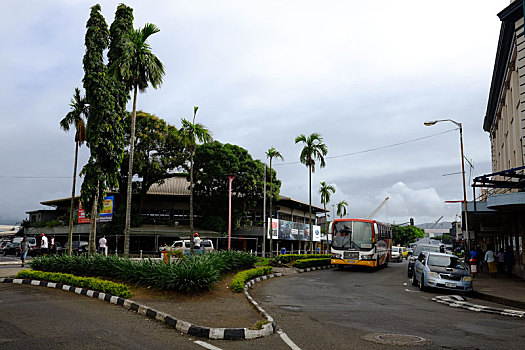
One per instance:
(105, 215)
(293, 231)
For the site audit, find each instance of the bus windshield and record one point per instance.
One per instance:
(352, 235)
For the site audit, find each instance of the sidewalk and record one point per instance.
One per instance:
(502, 289)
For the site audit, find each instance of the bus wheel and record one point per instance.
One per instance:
(340, 267)
(386, 261)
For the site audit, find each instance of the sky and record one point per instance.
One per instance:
(365, 75)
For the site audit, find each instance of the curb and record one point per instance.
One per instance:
(499, 300)
(181, 326)
(308, 269)
(460, 302)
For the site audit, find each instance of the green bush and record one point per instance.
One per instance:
(288, 258)
(304, 263)
(84, 282)
(194, 273)
(240, 279)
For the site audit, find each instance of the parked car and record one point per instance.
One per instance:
(397, 254)
(184, 245)
(79, 247)
(12, 249)
(441, 270)
(3, 244)
(417, 250)
(404, 252)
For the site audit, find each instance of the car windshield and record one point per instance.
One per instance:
(428, 248)
(395, 249)
(352, 234)
(445, 261)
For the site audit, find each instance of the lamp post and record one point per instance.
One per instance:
(230, 179)
(430, 123)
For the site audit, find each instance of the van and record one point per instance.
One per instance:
(184, 245)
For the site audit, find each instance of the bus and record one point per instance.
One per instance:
(360, 242)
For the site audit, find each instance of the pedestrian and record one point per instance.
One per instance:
(44, 246)
(196, 241)
(102, 244)
(480, 257)
(24, 248)
(509, 260)
(500, 259)
(491, 262)
(53, 247)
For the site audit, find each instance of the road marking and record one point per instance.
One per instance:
(287, 340)
(206, 345)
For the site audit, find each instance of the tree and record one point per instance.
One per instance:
(404, 235)
(139, 68)
(313, 149)
(104, 129)
(270, 154)
(341, 208)
(190, 133)
(213, 162)
(324, 191)
(79, 111)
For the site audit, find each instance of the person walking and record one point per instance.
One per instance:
(102, 245)
(53, 247)
(44, 246)
(500, 259)
(480, 255)
(24, 248)
(509, 260)
(196, 241)
(491, 262)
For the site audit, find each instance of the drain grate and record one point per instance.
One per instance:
(395, 339)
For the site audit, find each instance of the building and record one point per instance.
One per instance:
(497, 216)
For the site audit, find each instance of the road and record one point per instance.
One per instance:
(333, 309)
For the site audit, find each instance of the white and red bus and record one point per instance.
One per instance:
(360, 242)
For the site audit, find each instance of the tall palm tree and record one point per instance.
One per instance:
(190, 133)
(139, 68)
(314, 149)
(272, 153)
(324, 191)
(79, 111)
(341, 208)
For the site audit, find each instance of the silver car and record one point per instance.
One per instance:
(439, 270)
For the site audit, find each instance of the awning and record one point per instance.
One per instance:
(512, 179)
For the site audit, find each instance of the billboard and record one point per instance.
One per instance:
(293, 231)
(105, 215)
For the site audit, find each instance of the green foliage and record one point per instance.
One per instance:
(445, 238)
(288, 258)
(195, 273)
(305, 263)
(96, 284)
(213, 163)
(341, 208)
(240, 279)
(404, 235)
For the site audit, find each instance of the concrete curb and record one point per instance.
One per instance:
(181, 326)
(460, 302)
(499, 300)
(308, 269)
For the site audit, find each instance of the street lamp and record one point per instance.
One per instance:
(430, 123)
(230, 179)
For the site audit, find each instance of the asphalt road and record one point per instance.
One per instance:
(333, 309)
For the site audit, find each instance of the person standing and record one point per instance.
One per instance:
(196, 241)
(509, 260)
(491, 262)
(102, 245)
(24, 248)
(500, 258)
(53, 248)
(44, 246)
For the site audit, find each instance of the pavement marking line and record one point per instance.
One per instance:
(206, 345)
(287, 340)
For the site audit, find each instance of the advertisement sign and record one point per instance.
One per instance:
(275, 224)
(105, 215)
(293, 231)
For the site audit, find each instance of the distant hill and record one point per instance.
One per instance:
(440, 225)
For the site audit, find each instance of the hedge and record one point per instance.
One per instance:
(240, 279)
(288, 258)
(304, 263)
(97, 284)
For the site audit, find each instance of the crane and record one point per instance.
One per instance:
(436, 222)
(377, 209)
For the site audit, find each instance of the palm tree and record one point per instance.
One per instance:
(139, 68)
(79, 111)
(314, 149)
(190, 133)
(272, 153)
(324, 191)
(341, 208)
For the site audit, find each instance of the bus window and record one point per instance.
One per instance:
(362, 235)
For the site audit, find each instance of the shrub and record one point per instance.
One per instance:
(304, 263)
(288, 258)
(99, 285)
(237, 284)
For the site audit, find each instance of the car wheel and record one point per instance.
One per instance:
(422, 283)
(414, 281)
(409, 273)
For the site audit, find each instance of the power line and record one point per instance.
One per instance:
(379, 148)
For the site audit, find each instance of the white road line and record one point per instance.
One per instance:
(287, 340)
(206, 345)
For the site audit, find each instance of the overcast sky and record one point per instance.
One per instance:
(363, 74)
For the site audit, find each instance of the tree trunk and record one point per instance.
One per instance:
(326, 226)
(72, 206)
(93, 228)
(310, 208)
(191, 201)
(130, 176)
(271, 215)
